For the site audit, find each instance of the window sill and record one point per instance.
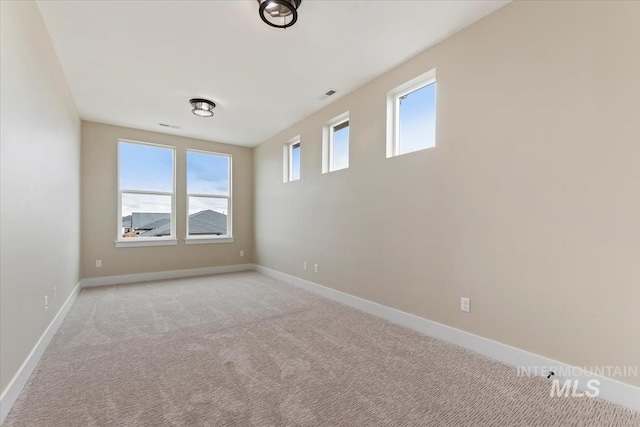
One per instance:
(207, 240)
(137, 242)
(336, 170)
(389, 156)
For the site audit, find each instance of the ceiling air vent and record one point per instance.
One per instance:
(169, 126)
(327, 94)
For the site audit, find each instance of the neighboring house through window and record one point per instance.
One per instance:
(208, 197)
(146, 194)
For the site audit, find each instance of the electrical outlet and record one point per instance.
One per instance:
(465, 304)
(55, 293)
(304, 265)
(46, 303)
(316, 268)
(98, 263)
(241, 253)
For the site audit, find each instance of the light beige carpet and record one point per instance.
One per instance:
(245, 350)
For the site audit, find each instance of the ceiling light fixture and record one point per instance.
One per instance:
(279, 13)
(202, 107)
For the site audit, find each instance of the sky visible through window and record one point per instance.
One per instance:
(145, 168)
(150, 168)
(417, 120)
(341, 148)
(295, 162)
(207, 174)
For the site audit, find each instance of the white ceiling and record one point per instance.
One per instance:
(137, 63)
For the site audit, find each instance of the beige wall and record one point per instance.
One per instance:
(40, 185)
(529, 204)
(100, 205)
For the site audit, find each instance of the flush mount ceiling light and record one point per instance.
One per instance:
(202, 107)
(279, 13)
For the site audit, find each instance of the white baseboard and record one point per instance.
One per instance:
(12, 391)
(611, 390)
(160, 275)
(614, 391)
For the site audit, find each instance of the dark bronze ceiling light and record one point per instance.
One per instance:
(279, 13)
(202, 107)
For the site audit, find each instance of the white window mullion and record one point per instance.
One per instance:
(211, 196)
(148, 193)
(290, 162)
(396, 125)
(332, 130)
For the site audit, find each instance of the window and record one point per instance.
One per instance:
(294, 172)
(335, 144)
(146, 199)
(291, 158)
(208, 197)
(411, 116)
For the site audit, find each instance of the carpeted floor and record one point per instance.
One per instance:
(245, 350)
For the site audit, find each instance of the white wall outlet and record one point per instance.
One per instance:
(304, 265)
(465, 304)
(46, 303)
(241, 253)
(55, 293)
(316, 268)
(98, 263)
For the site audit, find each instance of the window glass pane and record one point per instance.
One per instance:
(146, 215)
(417, 120)
(295, 162)
(208, 216)
(145, 167)
(340, 150)
(207, 173)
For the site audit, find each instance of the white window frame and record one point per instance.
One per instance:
(122, 242)
(393, 109)
(211, 238)
(287, 159)
(328, 131)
